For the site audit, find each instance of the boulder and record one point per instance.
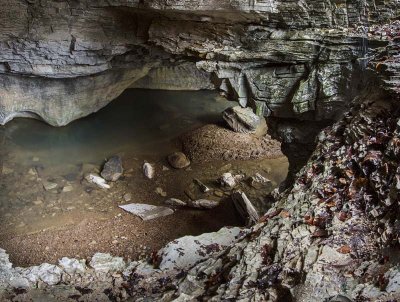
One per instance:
(242, 120)
(178, 160)
(112, 169)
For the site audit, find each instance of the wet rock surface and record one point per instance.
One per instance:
(112, 169)
(178, 160)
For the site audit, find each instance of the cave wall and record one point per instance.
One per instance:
(292, 59)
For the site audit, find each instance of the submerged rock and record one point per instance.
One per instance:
(229, 180)
(178, 160)
(112, 169)
(258, 181)
(48, 185)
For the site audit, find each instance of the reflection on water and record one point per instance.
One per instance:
(140, 121)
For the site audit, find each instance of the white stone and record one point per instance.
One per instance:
(185, 252)
(72, 266)
(148, 170)
(147, 211)
(97, 180)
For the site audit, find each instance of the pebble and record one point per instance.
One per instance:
(47, 185)
(161, 192)
(128, 197)
(68, 188)
(148, 170)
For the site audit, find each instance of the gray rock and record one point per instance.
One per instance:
(229, 180)
(242, 120)
(47, 273)
(185, 252)
(178, 160)
(112, 169)
(72, 266)
(146, 211)
(175, 202)
(203, 204)
(258, 181)
(48, 185)
(105, 263)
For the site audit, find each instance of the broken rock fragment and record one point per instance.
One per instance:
(97, 180)
(112, 169)
(147, 211)
(203, 204)
(229, 180)
(185, 252)
(148, 170)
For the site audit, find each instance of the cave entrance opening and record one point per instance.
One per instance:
(49, 211)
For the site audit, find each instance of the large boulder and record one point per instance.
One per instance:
(242, 120)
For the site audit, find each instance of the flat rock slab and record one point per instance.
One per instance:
(147, 211)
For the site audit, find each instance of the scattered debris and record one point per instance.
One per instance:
(178, 160)
(97, 180)
(112, 169)
(245, 208)
(146, 211)
(148, 170)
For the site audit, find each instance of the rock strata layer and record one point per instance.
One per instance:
(62, 60)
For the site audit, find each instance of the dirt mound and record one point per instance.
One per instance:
(213, 142)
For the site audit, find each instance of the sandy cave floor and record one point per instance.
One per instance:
(42, 226)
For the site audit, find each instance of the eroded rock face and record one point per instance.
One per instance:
(62, 60)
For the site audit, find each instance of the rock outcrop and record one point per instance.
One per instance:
(335, 230)
(62, 60)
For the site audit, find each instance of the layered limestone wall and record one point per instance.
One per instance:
(287, 58)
